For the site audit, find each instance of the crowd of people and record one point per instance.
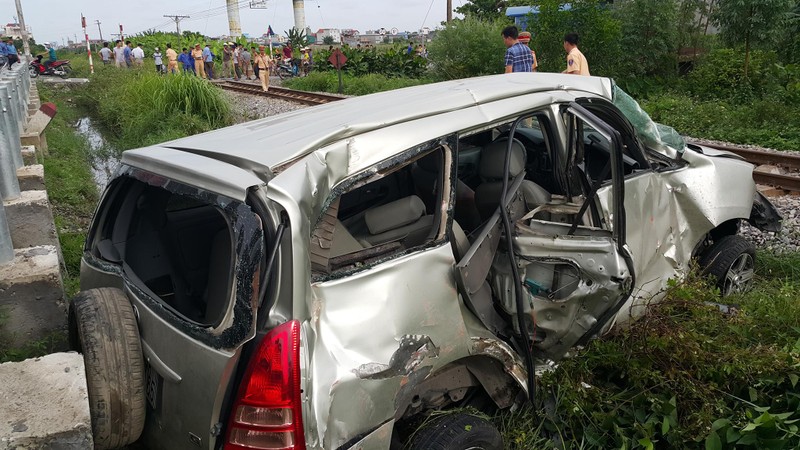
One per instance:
(520, 57)
(238, 62)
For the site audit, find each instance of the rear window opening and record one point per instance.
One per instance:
(177, 248)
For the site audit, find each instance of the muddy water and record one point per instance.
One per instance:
(104, 158)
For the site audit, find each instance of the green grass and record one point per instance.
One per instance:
(70, 185)
(764, 122)
(361, 85)
(684, 376)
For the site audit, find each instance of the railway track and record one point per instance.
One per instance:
(306, 98)
(759, 157)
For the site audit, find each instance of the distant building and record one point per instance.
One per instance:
(333, 33)
(14, 31)
(520, 14)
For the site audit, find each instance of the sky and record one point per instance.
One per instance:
(54, 20)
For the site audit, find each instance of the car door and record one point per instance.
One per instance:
(574, 268)
(386, 310)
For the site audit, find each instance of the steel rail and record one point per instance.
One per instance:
(306, 98)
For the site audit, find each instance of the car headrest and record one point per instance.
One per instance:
(393, 215)
(493, 158)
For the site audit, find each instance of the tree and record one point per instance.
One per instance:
(598, 29)
(467, 48)
(328, 40)
(488, 9)
(650, 45)
(752, 22)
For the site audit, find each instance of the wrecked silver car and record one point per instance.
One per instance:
(330, 277)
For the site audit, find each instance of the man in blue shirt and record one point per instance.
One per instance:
(11, 52)
(188, 62)
(127, 53)
(518, 56)
(208, 62)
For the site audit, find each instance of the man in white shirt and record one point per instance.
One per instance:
(138, 55)
(119, 55)
(105, 54)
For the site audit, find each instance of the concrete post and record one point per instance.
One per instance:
(299, 16)
(234, 24)
(6, 247)
(11, 129)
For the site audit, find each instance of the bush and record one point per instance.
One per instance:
(467, 48)
(141, 107)
(391, 62)
(719, 75)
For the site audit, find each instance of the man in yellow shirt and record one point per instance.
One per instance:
(172, 60)
(197, 55)
(262, 60)
(576, 62)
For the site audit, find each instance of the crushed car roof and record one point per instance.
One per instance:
(262, 145)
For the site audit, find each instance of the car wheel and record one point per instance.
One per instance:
(731, 263)
(102, 326)
(457, 432)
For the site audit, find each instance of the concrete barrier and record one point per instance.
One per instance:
(31, 289)
(30, 418)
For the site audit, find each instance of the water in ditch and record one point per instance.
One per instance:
(104, 157)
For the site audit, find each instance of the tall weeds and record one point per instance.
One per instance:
(139, 107)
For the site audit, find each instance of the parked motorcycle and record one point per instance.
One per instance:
(60, 68)
(288, 68)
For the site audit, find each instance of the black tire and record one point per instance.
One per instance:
(33, 72)
(457, 431)
(731, 263)
(102, 326)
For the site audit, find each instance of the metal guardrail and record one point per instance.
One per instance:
(15, 85)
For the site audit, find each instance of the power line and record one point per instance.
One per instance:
(177, 19)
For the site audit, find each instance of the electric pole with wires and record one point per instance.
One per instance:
(177, 20)
(99, 29)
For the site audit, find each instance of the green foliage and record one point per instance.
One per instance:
(467, 48)
(719, 75)
(683, 376)
(70, 186)
(599, 31)
(328, 40)
(752, 22)
(650, 46)
(388, 61)
(141, 107)
(765, 123)
(353, 85)
(485, 9)
(297, 37)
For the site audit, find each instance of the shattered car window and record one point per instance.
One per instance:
(651, 133)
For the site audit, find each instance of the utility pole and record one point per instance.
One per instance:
(177, 20)
(99, 29)
(121, 36)
(449, 11)
(26, 47)
(234, 24)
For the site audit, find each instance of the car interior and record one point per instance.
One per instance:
(177, 248)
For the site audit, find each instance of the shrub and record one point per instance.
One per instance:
(140, 107)
(719, 75)
(391, 62)
(467, 48)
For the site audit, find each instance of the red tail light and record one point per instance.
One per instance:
(267, 413)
